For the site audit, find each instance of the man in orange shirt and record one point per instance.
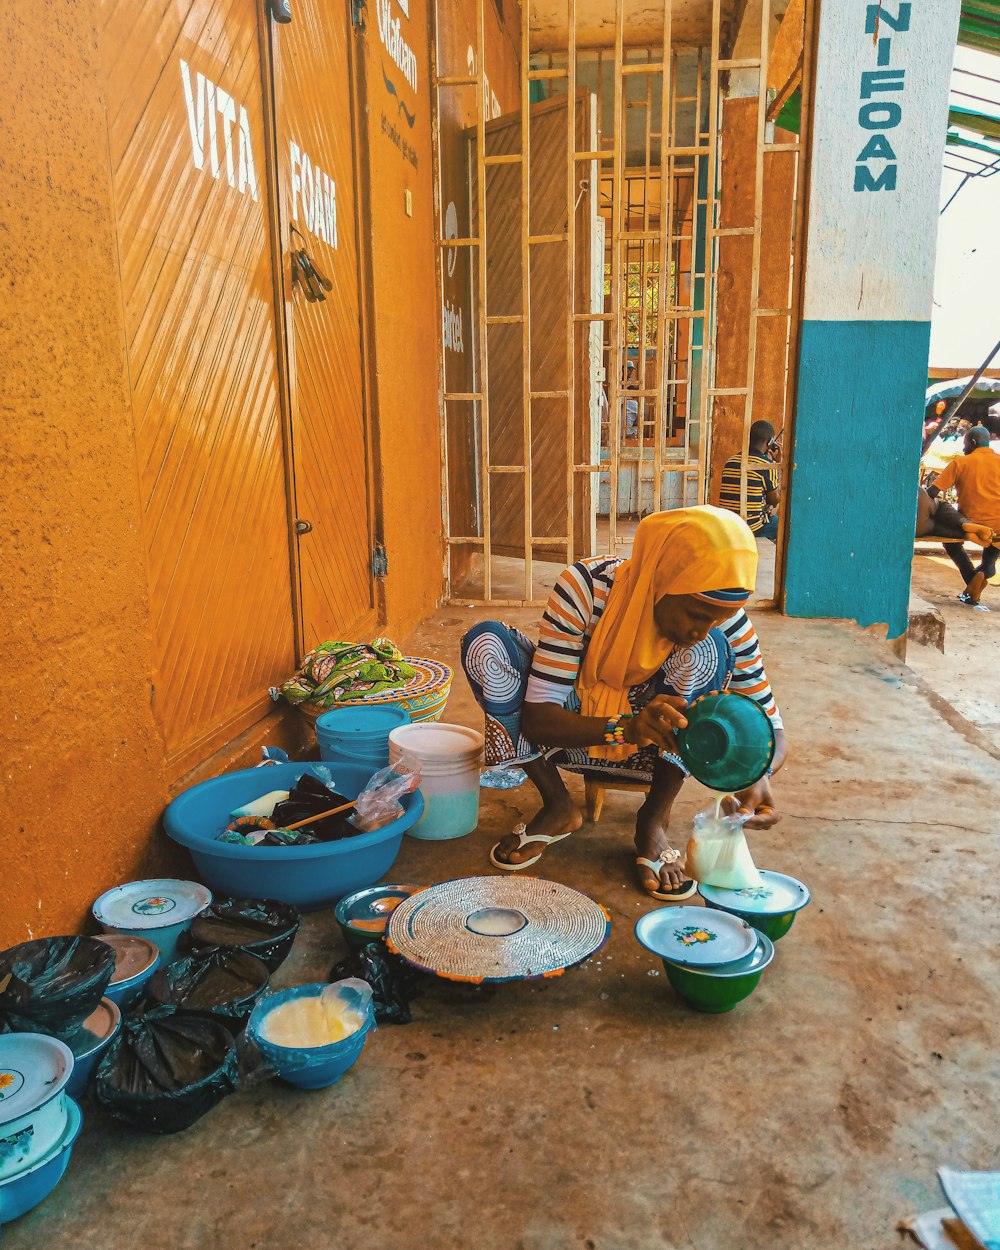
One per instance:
(976, 476)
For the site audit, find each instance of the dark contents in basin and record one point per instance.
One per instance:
(309, 797)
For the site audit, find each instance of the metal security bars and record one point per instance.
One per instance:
(591, 220)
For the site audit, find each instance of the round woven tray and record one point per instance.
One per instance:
(423, 696)
(489, 929)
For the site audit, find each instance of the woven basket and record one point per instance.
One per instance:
(424, 696)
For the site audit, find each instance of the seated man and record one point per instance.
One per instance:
(763, 492)
(976, 477)
(937, 518)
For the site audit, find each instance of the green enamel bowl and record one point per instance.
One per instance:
(718, 990)
(771, 907)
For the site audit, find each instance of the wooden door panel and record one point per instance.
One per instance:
(186, 132)
(316, 174)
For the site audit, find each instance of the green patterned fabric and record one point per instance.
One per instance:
(335, 672)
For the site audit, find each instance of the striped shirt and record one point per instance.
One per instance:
(762, 478)
(577, 602)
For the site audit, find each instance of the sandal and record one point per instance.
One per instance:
(674, 895)
(523, 839)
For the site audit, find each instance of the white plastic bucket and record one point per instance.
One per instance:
(450, 758)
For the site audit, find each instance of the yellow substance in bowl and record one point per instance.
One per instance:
(308, 1022)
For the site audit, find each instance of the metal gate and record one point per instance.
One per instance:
(649, 407)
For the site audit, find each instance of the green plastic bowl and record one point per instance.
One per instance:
(728, 744)
(720, 990)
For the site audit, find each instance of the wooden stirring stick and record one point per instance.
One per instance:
(319, 816)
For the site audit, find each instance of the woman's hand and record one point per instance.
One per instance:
(656, 724)
(758, 802)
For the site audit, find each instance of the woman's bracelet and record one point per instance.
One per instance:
(614, 729)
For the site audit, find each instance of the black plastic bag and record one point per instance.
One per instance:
(51, 985)
(220, 983)
(308, 797)
(393, 983)
(262, 926)
(166, 1069)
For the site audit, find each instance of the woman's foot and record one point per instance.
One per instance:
(662, 875)
(555, 819)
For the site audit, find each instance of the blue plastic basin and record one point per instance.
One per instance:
(313, 1067)
(25, 1190)
(306, 876)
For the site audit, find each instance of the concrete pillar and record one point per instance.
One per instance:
(879, 120)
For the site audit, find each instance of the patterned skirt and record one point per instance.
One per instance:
(497, 661)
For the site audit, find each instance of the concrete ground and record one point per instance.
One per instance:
(596, 1111)
(966, 674)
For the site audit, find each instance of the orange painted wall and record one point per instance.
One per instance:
(78, 733)
(84, 770)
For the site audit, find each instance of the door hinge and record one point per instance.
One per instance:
(380, 562)
(358, 14)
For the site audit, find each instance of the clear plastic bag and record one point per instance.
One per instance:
(379, 802)
(717, 851)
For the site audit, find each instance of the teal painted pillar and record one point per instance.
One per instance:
(878, 130)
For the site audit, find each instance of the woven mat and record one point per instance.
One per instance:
(483, 929)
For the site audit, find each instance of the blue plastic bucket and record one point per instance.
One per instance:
(312, 1067)
(359, 735)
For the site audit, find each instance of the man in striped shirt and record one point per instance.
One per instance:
(763, 491)
(527, 691)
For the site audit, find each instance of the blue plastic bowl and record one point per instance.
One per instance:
(22, 1192)
(99, 1030)
(307, 876)
(131, 952)
(313, 1067)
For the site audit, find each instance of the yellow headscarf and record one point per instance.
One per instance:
(683, 552)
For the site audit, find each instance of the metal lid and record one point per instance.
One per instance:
(33, 1069)
(152, 904)
(695, 936)
(778, 895)
(758, 959)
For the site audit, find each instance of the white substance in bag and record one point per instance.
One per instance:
(717, 852)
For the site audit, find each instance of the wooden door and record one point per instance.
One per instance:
(315, 140)
(187, 150)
